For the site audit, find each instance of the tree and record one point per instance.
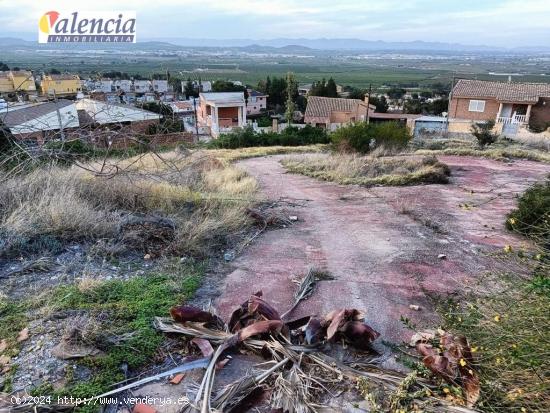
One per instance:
(439, 106)
(54, 71)
(396, 93)
(291, 93)
(483, 131)
(331, 89)
(355, 93)
(380, 102)
(4, 67)
(190, 90)
(319, 88)
(413, 106)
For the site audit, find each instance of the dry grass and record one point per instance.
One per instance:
(504, 149)
(204, 197)
(231, 155)
(370, 170)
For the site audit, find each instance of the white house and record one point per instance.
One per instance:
(221, 112)
(142, 86)
(160, 86)
(106, 85)
(124, 85)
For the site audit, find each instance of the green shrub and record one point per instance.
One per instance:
(483, 131)
(362, 137)
(291, 136)
(532, 216)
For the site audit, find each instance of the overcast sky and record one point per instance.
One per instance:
(490, 22)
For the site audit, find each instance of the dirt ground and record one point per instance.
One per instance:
(383, 245)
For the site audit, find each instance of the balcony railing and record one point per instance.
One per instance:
(517, 119)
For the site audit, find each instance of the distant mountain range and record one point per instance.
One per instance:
(281, 45)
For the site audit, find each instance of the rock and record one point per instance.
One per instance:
(4, 361)
(3, 345)
(67, 351)
(293, 218)
(442, 257)
(414, 307)
(23, 335)
(229, 256)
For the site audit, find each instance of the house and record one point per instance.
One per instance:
(40, 121)
(220, 112)
(60, 85)
(303, 90)
(6, 83)
(106, 85)
(124, 85)
(206, 86)
(330, 113)
(142, 86)
(160, 86)
(510, 105)
(256, 103)
(184, 110)
(98, 113)
(23, 80)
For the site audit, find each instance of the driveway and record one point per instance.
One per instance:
(380, 244)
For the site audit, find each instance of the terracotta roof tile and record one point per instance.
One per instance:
(318, 106)
(507, 92)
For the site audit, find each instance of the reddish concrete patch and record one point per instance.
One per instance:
(381, 244)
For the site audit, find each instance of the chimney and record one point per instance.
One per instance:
(509, 78)
(367, 99)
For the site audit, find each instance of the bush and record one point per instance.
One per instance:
(532, 216)
(362, 137)
(483, 133)
(291, 136)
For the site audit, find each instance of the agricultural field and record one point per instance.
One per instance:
(356, 69)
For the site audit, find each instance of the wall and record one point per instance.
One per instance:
(229, 113)
(459, 110)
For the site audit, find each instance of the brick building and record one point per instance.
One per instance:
(510, 105)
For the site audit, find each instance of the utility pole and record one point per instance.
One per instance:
(368, 102)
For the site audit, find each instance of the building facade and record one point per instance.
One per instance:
(60, 85)
(221, 112)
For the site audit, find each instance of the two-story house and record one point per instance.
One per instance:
(60, 85)
(256, 103)
(220, 112)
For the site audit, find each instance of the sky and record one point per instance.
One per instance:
(507, 23)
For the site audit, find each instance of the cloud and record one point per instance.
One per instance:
(466, 21)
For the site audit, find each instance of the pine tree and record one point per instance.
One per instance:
(331, 89)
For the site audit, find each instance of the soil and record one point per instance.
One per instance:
(387, 247)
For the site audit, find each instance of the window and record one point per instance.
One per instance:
(477, 106)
